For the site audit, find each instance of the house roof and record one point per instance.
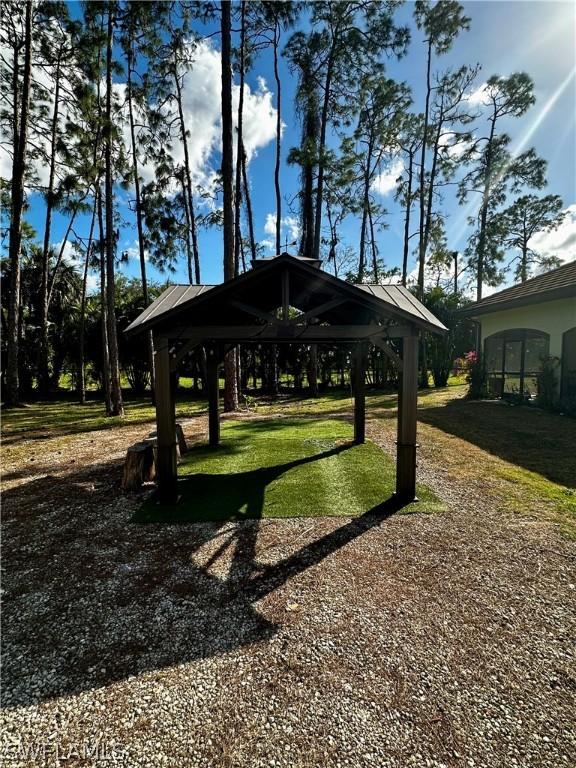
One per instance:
(310, 287)
(558, 284)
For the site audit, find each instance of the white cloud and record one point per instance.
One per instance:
(5, 164)
(92, 283)
(70, 253)
(202, 115)
(132, 251)
(258, 117)
(270, 224)
(289, 230)
(560, 242)
(442, 276)
(386, 182)
(479, 96)
(454, 148)
(293, 226)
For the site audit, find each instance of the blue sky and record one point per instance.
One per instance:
(536, 37)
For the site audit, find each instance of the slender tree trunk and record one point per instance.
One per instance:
(81, 382)
(188, 175)
(273, 371)
(139, 222)
(136, 177)
(96, 213)
(248, 202)
(12, 395)
(310, 135)
(239, 146)
(11, 329)
(422, 189)
(103, 310)
(313, 370)
(424, 382)
(333, 239)
(278, 139)
(321, 148)
(424, 238)
(407, 218)
(373, 246)
(194, 233)
(115, 389)
(524, 263)
(43, 372)
(230, 384)
(524, 257)
(432, 180)
(455, 254)
(243, 255)
(365, 206)
(60, 256)
(484, 211)
(189, 256)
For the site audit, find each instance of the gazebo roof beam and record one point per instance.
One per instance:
(287, 332)
(388, 351)
(254, 311)
(311, 313)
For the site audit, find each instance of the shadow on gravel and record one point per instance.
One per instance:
(533, 439)
(91, 600)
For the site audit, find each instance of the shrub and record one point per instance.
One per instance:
(477, 377)
(547, 383)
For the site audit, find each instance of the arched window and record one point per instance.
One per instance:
(513, 361)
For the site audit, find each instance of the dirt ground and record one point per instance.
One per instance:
(391, 640)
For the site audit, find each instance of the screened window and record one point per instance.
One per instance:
(513, 361)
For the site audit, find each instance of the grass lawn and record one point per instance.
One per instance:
(283, 468)
(524, 456)
(527, 455)
(66, 416)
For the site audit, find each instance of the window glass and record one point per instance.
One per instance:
(513, 357)
(536, 350)
(494, 354)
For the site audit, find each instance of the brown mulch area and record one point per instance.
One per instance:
(414, 640)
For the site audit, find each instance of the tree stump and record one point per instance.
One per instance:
(139, 466)
(181, 444)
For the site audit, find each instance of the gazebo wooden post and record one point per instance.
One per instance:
(166, 468)
(213, 386)
(407, 413)
(359, 387)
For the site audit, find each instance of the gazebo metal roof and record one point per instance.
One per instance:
(258, 293)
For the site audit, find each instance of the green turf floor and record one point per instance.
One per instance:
(282, 468)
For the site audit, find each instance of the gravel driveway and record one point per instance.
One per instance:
(401, 640)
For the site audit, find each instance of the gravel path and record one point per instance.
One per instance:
(411, 640)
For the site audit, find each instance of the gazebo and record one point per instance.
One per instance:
(285, 299)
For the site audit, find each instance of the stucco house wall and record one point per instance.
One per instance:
(552, 317)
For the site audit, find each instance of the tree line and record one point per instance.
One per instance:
(92, 100)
